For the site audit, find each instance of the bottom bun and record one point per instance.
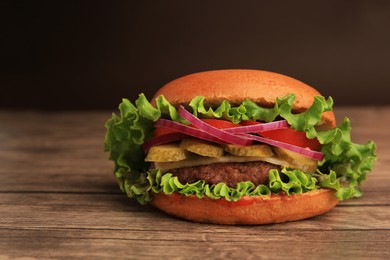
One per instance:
(249, 210)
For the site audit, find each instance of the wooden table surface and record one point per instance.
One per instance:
(59, 199)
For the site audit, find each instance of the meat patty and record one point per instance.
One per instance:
(229, 173)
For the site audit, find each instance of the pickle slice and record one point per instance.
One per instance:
(201, 147)
(261, 150)
(296, 160)
(166, 153)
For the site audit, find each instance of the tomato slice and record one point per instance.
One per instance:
(217, 123)
(220, 123)
(158, 131)
(290, 136)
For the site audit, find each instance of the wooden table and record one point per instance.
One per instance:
(59, 199)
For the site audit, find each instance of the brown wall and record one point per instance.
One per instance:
(90, 54)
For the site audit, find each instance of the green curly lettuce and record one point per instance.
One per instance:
(296, 183)
(344, 167)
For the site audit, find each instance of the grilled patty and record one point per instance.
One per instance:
(229, 173)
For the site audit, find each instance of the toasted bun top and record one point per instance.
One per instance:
(236, 85)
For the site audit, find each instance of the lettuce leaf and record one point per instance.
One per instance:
(344, 167)
(297, 183)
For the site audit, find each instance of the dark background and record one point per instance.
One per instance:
(90, 54)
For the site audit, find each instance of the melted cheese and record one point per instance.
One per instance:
(202, 160)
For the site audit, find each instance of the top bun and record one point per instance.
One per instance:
(236, 85)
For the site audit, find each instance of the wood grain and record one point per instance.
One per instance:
(59, 199)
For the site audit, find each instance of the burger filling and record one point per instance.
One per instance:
(171, 150)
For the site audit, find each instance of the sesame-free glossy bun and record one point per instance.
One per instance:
(236, 85)
(262, 210)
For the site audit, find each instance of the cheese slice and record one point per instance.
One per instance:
(202, 160)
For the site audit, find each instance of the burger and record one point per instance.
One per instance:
(236, 147)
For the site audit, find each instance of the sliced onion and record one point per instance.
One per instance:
(218, 133)
(258, 127)
(162, 139)
(188, 130)
(302, 151)
(238, 136)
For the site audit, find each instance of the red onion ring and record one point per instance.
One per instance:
(302, 151)
(188, 130)
(258, 127)
(238, 135)
(213, 131)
